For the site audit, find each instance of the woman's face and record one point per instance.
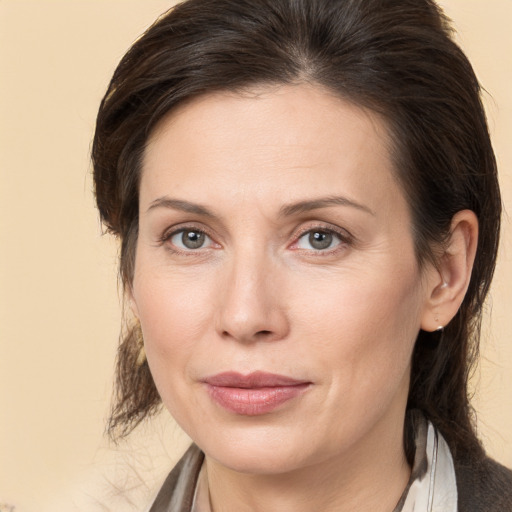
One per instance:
(275, 278)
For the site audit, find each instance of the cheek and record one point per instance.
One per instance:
(175, 312)
(363, 330)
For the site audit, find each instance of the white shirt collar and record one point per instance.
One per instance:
(436, 490)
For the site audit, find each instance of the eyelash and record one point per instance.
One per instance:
(345, 239)
(169, 234)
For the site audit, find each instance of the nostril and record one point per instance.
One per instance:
(264, 334)
(256, 335)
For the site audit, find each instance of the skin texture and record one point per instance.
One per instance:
(258, 296)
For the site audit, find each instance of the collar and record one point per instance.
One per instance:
(432, 486)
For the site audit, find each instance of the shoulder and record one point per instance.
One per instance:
(483, 486)
(177, 492)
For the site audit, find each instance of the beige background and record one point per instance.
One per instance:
(59, 304)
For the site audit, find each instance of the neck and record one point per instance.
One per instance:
(372, 476)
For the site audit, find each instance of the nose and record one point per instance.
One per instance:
(250, 304)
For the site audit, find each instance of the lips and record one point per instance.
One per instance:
(253, 394)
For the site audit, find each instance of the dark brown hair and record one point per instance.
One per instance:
(395, 57)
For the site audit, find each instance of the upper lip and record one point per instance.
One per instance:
(257, 379)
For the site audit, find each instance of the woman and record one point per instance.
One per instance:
(308, 206)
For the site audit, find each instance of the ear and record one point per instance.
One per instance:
(448, 283)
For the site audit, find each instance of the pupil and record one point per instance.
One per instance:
(193, 239)
(320, 240)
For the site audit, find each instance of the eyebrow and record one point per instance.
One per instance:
(323, 202)
(179, 204)
(285, 211)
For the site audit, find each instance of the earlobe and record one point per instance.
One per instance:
(450, 283)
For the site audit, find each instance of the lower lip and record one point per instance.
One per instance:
(254, 401)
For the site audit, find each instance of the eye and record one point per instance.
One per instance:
(190, 239)
(319, 240)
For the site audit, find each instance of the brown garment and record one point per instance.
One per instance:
(486, 487)
(177, 492)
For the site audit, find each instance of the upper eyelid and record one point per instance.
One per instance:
(342, 233)
(173, 230)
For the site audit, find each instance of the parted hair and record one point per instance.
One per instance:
(394, 57)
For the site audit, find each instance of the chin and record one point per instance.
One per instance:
(256, 461)
(261, 450)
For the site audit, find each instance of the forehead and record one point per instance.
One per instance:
(295, 138)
